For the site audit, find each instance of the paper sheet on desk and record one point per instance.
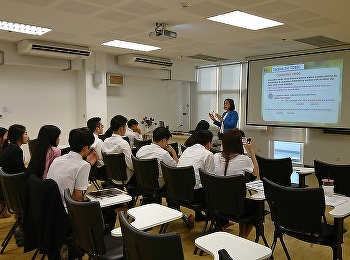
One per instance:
(255, 185)
(334, 200)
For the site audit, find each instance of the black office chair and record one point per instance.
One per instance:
(140, 245)
(92, 176)
(14, 187)
(116, 172)
(147, 174)
(226, 197)
(179, 183)
(182, 147)
(140, 143)
(46, 223)
(175, 146)
(340, 173)
(88, 230)
(297, 212)
(276, 170)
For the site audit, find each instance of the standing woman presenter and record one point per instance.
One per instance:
(229, 118)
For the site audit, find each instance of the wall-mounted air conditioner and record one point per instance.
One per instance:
(54, 50)
(136, 60)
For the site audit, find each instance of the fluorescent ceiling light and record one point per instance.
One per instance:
(23, 28)
(130, 45)
(244, 20)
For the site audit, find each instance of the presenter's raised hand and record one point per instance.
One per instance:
(212, 116)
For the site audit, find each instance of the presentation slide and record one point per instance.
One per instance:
(304, 92)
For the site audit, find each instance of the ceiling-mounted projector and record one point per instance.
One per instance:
(161, 33)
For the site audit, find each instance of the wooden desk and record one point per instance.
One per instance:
(238, 248)
(150, 215)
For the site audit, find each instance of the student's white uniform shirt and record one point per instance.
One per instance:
(97, 146)
(155, 151)
(132, 135)
(198, 156)
(69, 171)
(116, 144)
(236, 166)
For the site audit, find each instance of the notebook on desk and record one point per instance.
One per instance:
(106, 193)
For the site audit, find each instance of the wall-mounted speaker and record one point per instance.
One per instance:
(97, 77)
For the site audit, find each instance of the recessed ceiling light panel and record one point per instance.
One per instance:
(244, 20)
(130, 45)
(23, 28)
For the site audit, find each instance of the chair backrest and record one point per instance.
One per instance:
(126, 138)
(276, 170)
(147, 173)
(87, 224)
(225, 195)
(175, 146)
(295, 209)
(140, 143)
(14, 187)
(46, 223)
(179, 182)
(340, 173)
(183, 148)
(140, 245)
(115, 166)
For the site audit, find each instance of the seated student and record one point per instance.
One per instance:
(133, 132)
(96, 127)
(233, 161)
(199, 156)
(45, 152)
(11, 159)
(71, 170)
(159, 149)
(4, 213)
(116, 144)
(202, 125)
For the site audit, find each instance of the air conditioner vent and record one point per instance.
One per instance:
(56, 50)
(136, 60)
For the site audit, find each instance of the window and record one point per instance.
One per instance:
(215, 84)
(294, 150)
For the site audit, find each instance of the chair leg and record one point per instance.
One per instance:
(284, 247)
(9, 235)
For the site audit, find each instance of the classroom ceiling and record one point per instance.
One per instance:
(92, 22)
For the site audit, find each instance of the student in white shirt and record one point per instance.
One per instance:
(71, 170)
(96, 127)
(133, 132)
(116, 144)
(199, 156)
(160, 150)
(233, 161)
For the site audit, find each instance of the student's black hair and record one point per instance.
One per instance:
(15, 133)
(231, 102)
(93, 123)
(160, 133)
(47, 137)
(203, 137)
(132, 122)
(79, 138)
(202, 125)
(4, 142)
(118, 121)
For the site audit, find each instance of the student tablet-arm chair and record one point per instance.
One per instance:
(140, 245)
(276, 170)
(116, 172)
(298, 212)
(340, 173)
(13, 187)
(179, 183)
(147, 173)
(226, 197)
(88, 230)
